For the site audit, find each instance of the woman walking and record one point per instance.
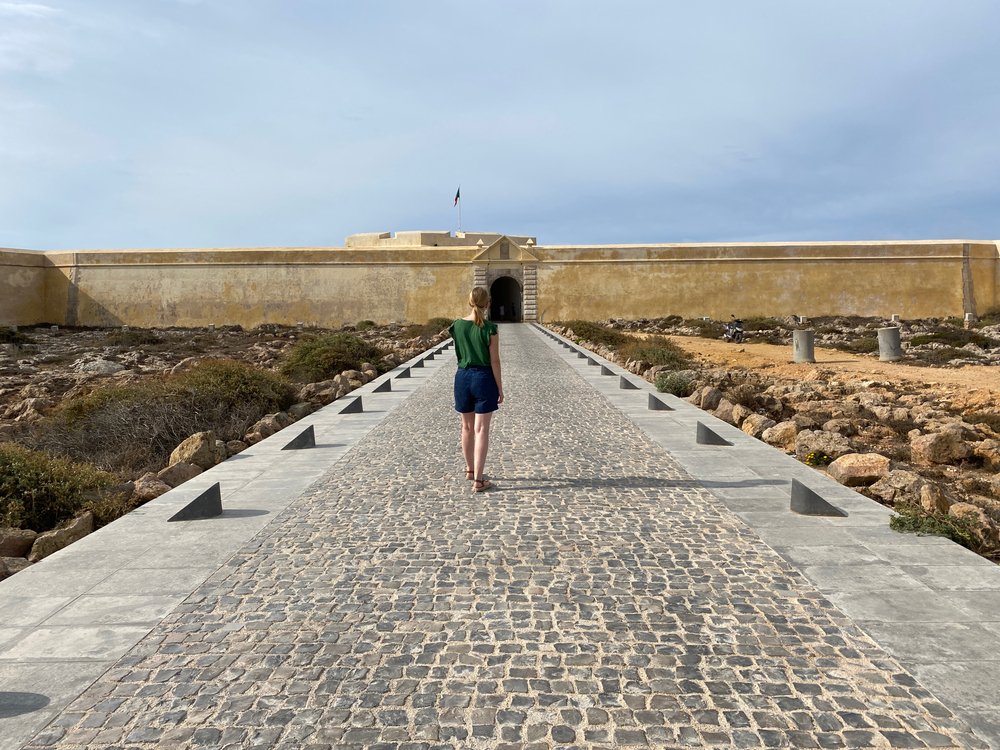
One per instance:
(478, 384)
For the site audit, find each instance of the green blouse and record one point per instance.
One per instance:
(472, 343)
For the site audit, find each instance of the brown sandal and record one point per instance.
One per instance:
(481, 485)
(470, 474)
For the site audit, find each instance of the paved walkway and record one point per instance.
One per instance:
(600, 597)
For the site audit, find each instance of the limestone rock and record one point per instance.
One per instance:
(859, 469)
(932, 498)
(11, 565)
(235, 446)
(724, 411)
(989, 451)
(149, 486)
(53, 541)
(16, 542)
(321, 393)
(941, 447)
(755, 424)
(846, 427)
(986, 529)
(781, 435)
(177, 474)
(199, 449)
(740, 413)
(98, 367)
(300, 410)
(832, 444)
(897, 486)
(707, 398)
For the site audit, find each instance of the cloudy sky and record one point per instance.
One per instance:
(170, 123)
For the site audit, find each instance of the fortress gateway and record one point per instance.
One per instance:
(414, 276)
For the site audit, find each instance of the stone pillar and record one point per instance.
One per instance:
(889, 348)
(530, 293)
(803, 343)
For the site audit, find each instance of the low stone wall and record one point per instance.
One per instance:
(392, 282)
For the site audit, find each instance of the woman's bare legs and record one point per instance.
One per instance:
(482, 432)
(468, 443)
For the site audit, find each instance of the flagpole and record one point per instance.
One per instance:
(459, 214)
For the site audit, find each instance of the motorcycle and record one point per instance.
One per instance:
(733, 331)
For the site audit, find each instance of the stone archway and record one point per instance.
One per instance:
(506, 303)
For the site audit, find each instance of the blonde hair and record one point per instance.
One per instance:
(479, 301)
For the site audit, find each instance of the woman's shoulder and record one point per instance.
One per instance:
(491, 328)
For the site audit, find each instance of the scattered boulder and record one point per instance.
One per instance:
(832, 444)
(859, 469)
(941, 447)
(11, 565)
(149, 486)
(300, 410)
(755, 424)
(989, 451)
(53, 541)
(235, 446)
(16, 542)
(932, 498)
(98, 367)
(897, 486)
(320, 393)
(724, 411)
(200, 449)
(781, 435)
(986, 529)
(707, 398)
(176, 474)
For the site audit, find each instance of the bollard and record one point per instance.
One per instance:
(894, 318)
(802, 320)
(970, 318)
(207, 505)
(802, 346)
(889, 349)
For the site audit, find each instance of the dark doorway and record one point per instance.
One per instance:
(505, 300)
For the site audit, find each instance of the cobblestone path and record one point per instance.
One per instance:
(598, 598)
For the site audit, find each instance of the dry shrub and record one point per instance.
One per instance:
(322, 357)
(38, 492)
(595, 333)
(656, 350)
(133, 428)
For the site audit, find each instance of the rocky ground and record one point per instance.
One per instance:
(903, 433)
(48, 366)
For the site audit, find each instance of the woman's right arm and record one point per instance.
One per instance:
(495, 363)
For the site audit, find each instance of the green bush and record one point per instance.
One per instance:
(132, 338)
(595, 333)
(656, 350)
(707, 329)
(39, 492)
(863, 345)
(914, 519)
(943, 355)
(10, 336)
(430, 329)
(132, 428)
(955, 337)
(365, 325)
(323, 357)
(762, 324)
(678, 383)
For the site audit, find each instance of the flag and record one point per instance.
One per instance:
(458, 194)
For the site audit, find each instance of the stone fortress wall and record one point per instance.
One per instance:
(414, 276)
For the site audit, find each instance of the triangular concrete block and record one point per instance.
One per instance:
(606, 371)
(705, 436)
(383, 387)
(429, 357)
(592, 362)
(807, 502)
(404, 373)
(418, 363)
(627, 385)
(656, 405)
(207, 505)
(581, 355)
(305, 439)
(355, 407)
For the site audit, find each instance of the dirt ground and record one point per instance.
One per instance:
(965, 387)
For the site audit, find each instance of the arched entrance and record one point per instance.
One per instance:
(506, 304)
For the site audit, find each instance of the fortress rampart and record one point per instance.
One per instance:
(418, 275)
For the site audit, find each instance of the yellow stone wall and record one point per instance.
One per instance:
(22, 288)
(331, 286)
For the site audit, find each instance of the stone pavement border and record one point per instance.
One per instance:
(70, 617)
(930, 603)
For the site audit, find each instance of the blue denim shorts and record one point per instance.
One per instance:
(476, 390)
